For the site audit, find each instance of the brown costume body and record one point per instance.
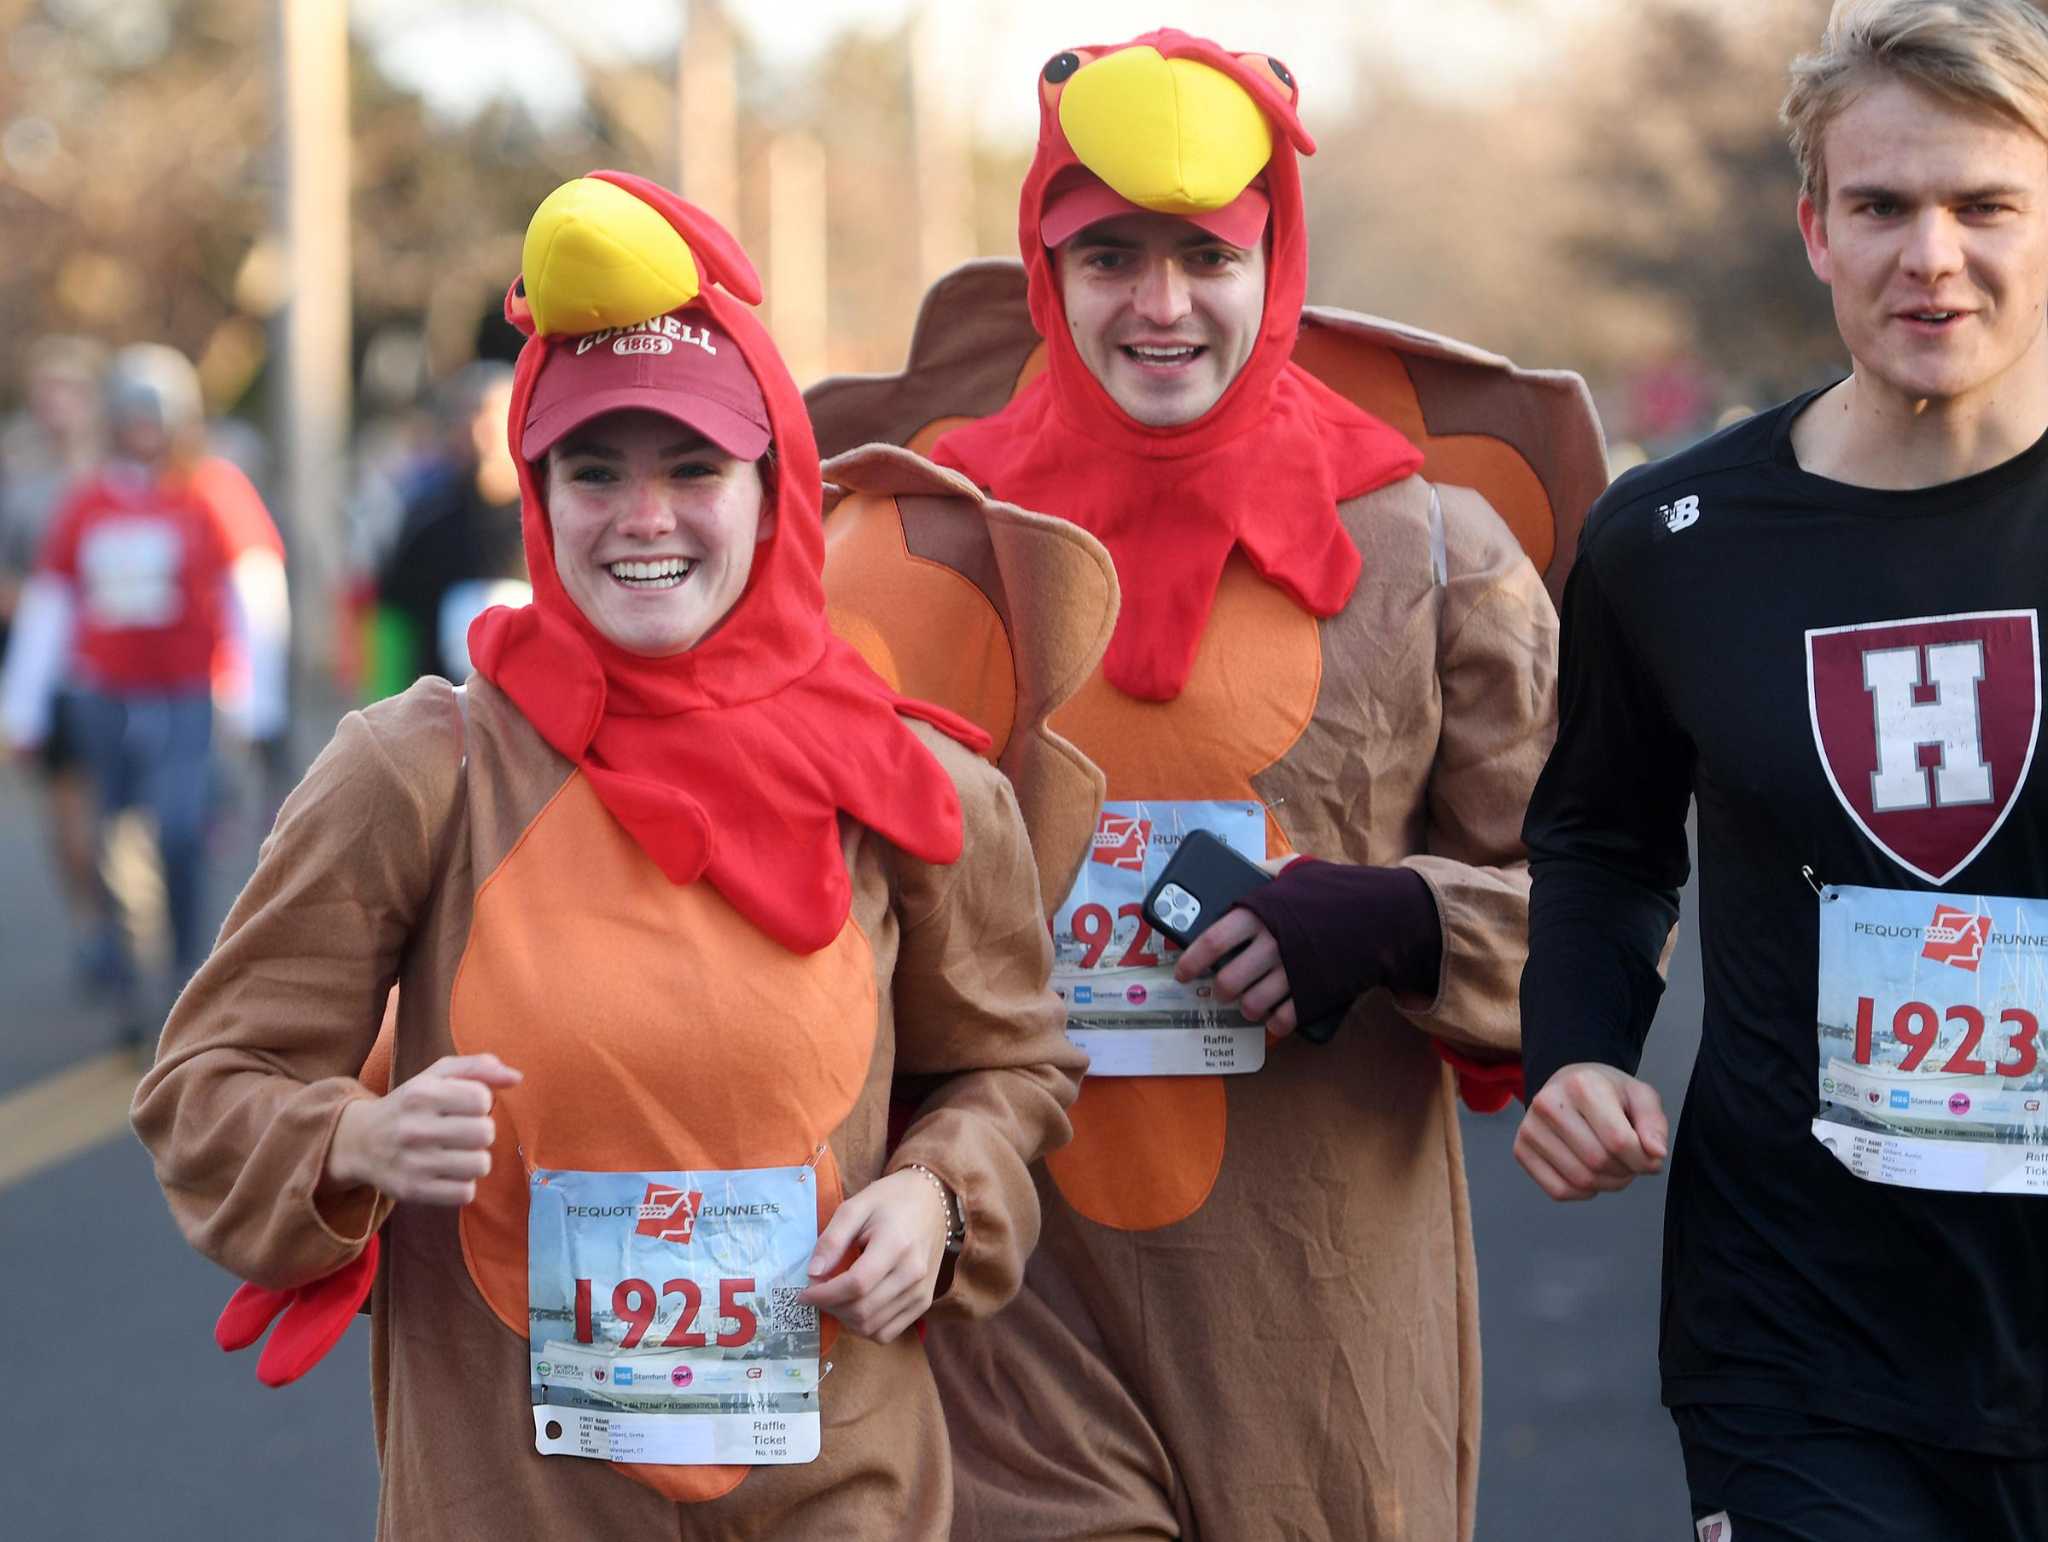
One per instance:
(657, 1029)
(1252, 1311)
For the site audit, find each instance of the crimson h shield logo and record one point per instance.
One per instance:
(1927, 728)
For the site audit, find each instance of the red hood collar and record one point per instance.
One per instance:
(730, 762)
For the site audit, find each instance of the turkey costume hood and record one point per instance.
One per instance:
(730, 762)
(1174, 124)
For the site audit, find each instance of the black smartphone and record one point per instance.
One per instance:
(1202, 880)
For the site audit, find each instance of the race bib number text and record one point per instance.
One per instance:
(1929, 1018)
(665, 1323)
(1124, 1007)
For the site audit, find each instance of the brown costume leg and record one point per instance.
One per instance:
(1049, 1442)
(1296, 1359)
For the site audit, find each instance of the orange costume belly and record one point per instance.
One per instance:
(657, 1029)
(1146, 1150)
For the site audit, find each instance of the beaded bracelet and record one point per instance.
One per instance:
(956, 1220)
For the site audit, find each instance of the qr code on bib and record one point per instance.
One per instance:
(786, 1314)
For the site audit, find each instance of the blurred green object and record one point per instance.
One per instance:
(392, 644)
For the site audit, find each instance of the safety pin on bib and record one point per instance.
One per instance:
(1813, 883)
(811, 1164)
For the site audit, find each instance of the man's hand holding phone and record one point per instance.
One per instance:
(1254, 980)
(1192, 904)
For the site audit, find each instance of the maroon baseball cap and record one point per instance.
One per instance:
(1078, 198)
(682, 365)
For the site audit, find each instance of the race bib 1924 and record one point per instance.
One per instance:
(1124, 1006)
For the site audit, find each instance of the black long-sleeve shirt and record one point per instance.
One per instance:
(1686, 677)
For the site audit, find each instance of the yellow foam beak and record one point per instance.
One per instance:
(596, 256)
(1172, 135)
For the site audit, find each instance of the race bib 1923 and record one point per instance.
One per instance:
(663, 1324)
(1124, 1006)
(1931, 1066)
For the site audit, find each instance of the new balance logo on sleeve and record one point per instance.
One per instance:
(1682, 515)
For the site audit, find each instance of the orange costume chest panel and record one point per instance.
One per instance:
(662, 1067)
(654, 1029)
(1146, 1150)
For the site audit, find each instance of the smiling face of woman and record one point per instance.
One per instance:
(655, 529)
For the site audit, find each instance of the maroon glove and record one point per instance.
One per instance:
(310, 1320)
(1345, 928)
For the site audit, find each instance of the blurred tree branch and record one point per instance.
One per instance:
(1632, 208)
(1629, 207)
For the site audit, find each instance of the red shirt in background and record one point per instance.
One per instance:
(148, 563)
(246, 523)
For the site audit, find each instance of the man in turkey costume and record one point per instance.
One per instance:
(1252, 1311)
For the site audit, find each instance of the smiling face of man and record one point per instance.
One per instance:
(1934, 242)
(1163, 313)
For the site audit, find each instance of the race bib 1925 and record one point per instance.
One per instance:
(663, 1324)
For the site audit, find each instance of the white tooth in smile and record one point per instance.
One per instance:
(1163, 354)
(667, 567)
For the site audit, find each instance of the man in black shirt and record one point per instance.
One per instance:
(1822, 627)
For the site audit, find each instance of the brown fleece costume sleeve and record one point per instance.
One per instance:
(261, 1054)
(971, 1002)
(1497, 671)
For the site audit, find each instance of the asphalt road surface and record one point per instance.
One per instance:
(123, 1420)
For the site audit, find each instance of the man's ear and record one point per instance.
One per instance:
(1813, 230)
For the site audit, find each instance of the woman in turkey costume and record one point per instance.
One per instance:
(672, 891)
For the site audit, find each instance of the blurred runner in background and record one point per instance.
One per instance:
(44, 449)
(159, 585)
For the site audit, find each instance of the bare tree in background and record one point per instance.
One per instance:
(134, 142)
(1631, 209)
(1686, 195)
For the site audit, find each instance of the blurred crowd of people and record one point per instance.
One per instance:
(437, 536)
(145, 626)
(145, 600)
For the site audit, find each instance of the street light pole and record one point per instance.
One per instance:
(707, 114)
(945, 165)
(312, 401)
